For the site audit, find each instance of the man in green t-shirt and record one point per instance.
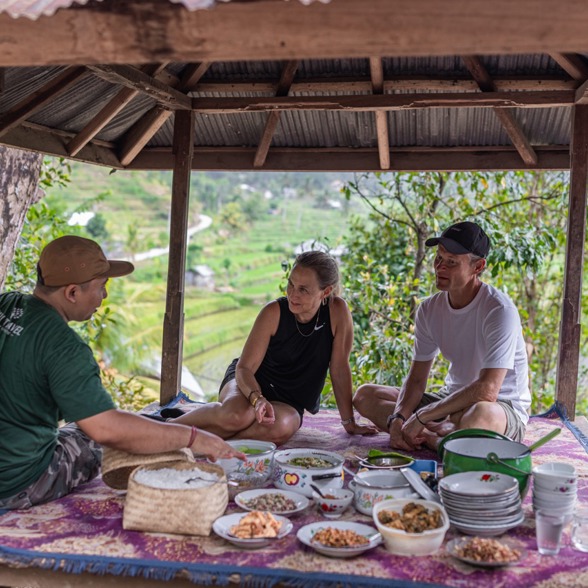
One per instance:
(48, 374)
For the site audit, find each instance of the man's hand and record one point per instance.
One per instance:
(397, 439)
(412, 431)
(214, 447)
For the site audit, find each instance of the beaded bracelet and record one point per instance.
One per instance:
(256, 399)
(193, 434)
(252, 392)
(348, 421)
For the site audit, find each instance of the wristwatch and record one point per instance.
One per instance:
(394, 415)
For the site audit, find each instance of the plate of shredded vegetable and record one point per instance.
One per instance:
(280, 502)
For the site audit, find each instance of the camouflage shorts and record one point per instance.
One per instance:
(76, 460)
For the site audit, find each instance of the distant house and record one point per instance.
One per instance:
(200, 276)
(314, 245)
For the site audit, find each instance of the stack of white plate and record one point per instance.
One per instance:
(555, 488)
(482, 503)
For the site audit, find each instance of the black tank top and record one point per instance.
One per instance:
(295, 367)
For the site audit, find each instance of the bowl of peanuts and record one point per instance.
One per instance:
(411, 526)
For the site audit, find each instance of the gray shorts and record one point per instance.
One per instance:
(76, 460)
(515, 428)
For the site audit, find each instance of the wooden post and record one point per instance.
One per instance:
(569, 333)
(173, 322)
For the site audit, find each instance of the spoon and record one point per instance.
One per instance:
(352, 474)
(317, 490)
(545, 439)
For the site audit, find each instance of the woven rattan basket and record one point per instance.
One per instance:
(185, 512)
(118, 465)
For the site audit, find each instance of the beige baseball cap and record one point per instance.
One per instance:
(75, 260)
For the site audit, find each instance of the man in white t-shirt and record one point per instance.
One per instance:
(478, 330)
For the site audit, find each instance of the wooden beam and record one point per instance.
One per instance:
(39, 98)
(114, 106)
(173, 323)
(505, 116)
(582, 94)
(140, 134)
(135, 79)
(394, 84)
(573, 64)
(150, 32)
(386, 102)
(358, 160)
(570, 325)
(51, 142)
(282, 89)
(377, 76)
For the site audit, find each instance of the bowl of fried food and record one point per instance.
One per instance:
(411, 526)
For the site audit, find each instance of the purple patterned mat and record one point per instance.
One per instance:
(83, 533)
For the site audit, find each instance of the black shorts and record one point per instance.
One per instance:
(270, 393)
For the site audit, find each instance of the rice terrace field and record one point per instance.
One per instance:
(246, 256)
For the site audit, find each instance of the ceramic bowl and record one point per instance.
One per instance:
(373, 486)
(258, 463)
(334, 503)
(400, 542)
(290, 476)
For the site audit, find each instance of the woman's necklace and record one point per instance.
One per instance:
(314, 326)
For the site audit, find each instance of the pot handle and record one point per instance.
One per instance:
(493, 458)
(352, 485)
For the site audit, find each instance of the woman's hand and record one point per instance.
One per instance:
(264, 411)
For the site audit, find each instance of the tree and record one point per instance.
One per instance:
(19, 187)
(96, 227)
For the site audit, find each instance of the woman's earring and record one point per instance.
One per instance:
(325, 301)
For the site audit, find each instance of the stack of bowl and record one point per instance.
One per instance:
(555, 487)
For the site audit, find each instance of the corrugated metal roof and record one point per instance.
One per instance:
(425, 127)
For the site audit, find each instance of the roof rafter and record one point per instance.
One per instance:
(282, 89)
(377, 76)
(116, 105)
(35, 101)
(573, 64)
(131, 77)
(138, 136)
(540, 99)
(505, 116)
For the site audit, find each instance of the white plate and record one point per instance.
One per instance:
(455, 544)
(487, 530)
(306, 533)
(299, 500)
(222, 527)
(479, 483)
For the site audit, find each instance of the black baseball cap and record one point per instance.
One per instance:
(463, 238)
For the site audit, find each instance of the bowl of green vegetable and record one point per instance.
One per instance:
(257, 467)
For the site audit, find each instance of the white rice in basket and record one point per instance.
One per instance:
(172, 479)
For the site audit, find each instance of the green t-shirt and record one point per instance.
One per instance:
(47, 373)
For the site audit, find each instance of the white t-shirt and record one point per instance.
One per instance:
(487, 333)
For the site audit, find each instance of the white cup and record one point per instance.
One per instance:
(579, 537)
(549, 527)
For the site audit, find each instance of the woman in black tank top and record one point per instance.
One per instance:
(281, 372)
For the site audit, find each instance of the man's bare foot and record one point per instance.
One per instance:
(431, 439)
(443, 428)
